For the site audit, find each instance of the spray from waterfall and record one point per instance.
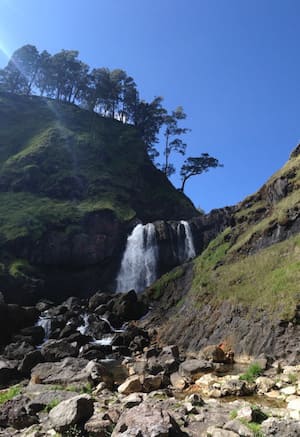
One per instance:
(139, 264)
(186, 248)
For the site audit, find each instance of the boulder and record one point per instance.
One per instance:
(213, 431)
(177, 381)
(294, 408)
(193, 368)
(133, 400)
(131, 385)
(239, 428)
(264, 384)
(74, 411)
(213, 353)
(41, 400)
(8, 371)
(15, 413)
(30, 360)
(145, 420)
(151, 382)
(68, 371)
(280, 427)
(98, 299)
(17, 351)
(55, 350)
(236, 387)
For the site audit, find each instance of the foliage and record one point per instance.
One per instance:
(51, 405)
(9, 394)
(233, 414)
(253, 372)
(293, 378)
(157, 289)
(195, 166)
(173, 142)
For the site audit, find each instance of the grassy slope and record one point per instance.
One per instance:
(58, 162)
(269, 278)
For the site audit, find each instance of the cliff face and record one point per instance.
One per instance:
(243, 289)
(71, 186)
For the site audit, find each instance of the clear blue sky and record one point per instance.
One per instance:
(234, 65)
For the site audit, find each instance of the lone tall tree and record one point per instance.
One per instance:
(195, 166)
(173, 142)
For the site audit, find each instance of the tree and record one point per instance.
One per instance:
(195, 166)
(172, 141)
(148, 119)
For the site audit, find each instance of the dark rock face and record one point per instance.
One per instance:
(204, 228)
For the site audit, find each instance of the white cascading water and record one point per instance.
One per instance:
(139, 264)
(45, 322)
(186, 248)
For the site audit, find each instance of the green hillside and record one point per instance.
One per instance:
(61, 169)
(247, 281)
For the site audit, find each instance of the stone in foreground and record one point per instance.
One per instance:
(73, 411)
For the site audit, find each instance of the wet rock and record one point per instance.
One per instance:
(55, 350)
(145, 420)
(34, 333)
(131, 385)
(15, 413)
(193, 368)
(98, 299)
(76, 410)
(17, 351)
(127, 307)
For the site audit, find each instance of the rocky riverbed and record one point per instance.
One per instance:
(86, 368)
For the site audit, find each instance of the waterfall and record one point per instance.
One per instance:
(45, 322)
(186, 248)
(139, 264)
(84, 327)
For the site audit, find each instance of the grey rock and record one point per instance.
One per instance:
(76, 410)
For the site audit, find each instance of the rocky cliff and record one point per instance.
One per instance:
(71, 186)
(243, 290)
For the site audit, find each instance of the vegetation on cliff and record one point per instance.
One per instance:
(61, 168)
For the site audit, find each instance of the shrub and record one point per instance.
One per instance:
(252, 373)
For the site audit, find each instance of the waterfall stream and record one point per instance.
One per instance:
(139, 264)
(186, 248)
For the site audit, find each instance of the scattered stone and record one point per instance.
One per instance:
(294, 408)
(280, 427)
(213, 431)
(264, 384)
(76, 410)
(151, 383)
(133, 400)
(193, 368)
(145, 420)
(239, 428)
(131, 385)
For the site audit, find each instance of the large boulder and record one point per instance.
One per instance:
(55, 350)
(131, 385)
(15, 413)
(68, 371)
(146, 420)
(8, 371)
(280, 427)
(74, 411)
(193, 368)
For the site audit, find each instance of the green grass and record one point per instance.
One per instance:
(10, 393)
(51, 405)
(253, 372)
(158, 288)
(267, 280)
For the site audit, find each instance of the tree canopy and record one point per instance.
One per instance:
(198, 165)
(110, 93)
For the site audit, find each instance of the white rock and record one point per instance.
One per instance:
(290, 390)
